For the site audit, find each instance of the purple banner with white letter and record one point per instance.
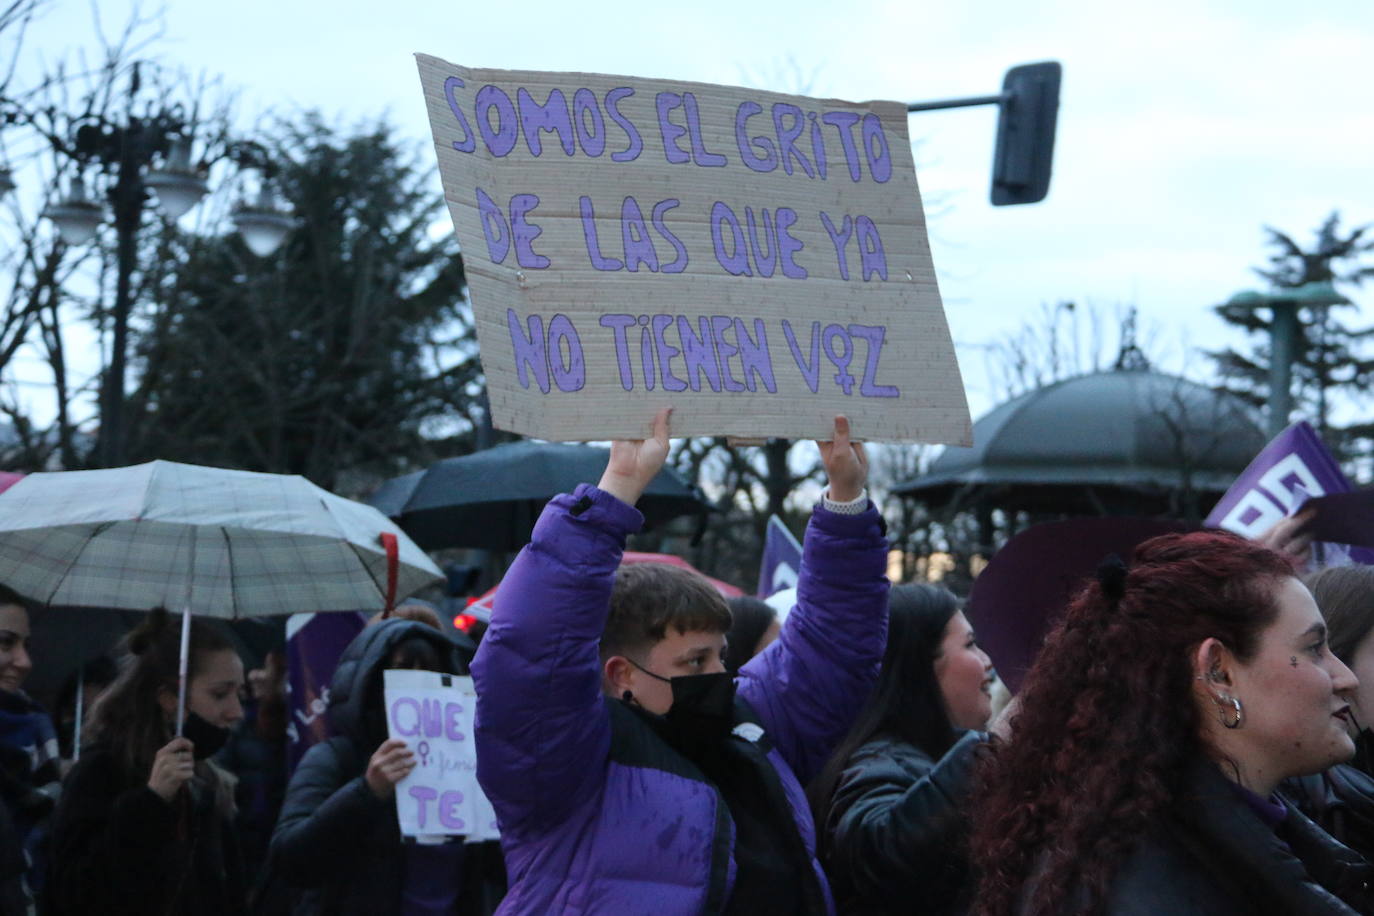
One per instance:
(1295, 467)
(314, 643)
(782, 557)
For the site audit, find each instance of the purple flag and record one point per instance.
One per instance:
(1344, 518)
(314, 643)
(1027, 584)
(782, 557)
(1292, 469)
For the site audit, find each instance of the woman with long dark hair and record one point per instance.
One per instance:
(891, 803)
(1154, 728)
(146, 820)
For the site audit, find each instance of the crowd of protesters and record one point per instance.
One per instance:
(1190, 739)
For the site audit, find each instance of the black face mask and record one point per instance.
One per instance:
(207, 738)
(703, 710)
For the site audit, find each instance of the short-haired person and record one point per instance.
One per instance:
(892, 804)
(1154, 727)
(629, 772)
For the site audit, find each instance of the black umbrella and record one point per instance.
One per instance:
(491, 499)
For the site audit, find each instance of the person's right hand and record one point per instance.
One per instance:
(635, 462)
(846, 463)
(173, 767)
(390, 763)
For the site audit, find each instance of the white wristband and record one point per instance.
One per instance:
(856, 506)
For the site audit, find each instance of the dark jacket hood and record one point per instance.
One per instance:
(360, 668)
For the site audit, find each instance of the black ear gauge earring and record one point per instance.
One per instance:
(627, 696)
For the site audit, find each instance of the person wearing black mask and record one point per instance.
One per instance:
(145, 823)
(629, 771)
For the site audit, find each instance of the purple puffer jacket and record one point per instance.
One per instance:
(598, 814)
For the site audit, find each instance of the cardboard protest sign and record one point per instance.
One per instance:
(757, 261)
(433, 713)
(1295, 467)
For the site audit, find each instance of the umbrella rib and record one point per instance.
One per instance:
(381, 589)
(357, 551)
(99, 530)
(233, 592)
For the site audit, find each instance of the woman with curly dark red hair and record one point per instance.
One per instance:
(1154, 729)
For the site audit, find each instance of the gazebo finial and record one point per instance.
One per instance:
(1131, 358)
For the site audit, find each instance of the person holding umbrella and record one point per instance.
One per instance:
(146, 821)
(628, 770)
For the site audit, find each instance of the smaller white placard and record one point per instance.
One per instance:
(433, 714)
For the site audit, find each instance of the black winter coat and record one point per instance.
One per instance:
(118, 848)
(336, 843)
(1214, 856)
(896, 829)
(1341, 802)
(14, 900)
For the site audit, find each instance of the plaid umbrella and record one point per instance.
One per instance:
(224, 543)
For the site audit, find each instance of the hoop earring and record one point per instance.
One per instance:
(1240, 714)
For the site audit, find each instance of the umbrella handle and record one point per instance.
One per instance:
(185, 657)
(181, 668)
(393, 562)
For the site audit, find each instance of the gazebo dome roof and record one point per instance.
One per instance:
(1131, 429)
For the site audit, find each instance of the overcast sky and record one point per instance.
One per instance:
(1185, 126)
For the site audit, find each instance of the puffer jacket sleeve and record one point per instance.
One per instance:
(810, 683)
(543, 731)
(898, 819)
(326, 814)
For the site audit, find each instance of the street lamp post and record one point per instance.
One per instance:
(127, 152)
(1283, 338)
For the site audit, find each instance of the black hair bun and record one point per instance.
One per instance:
(1111, 575)
(150, 631)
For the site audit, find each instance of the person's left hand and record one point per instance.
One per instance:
(635, 462)
(846, 464)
